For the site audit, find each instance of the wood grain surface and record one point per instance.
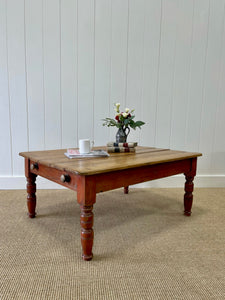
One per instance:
(144, 156)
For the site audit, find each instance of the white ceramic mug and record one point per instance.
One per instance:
(84, 146)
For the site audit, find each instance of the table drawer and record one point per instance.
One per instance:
(64, 178)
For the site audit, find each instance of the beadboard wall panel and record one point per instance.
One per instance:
(218, 146)
(64, 63)
(119, 50)
(103, 29)
(5, 128)
(17, 82)
(69, 62)
(86, 68)
(52, 73)
(151, 54)
(34, 74)
(181, 79)
(135, 61)
(197, 70)
(211, 82)
(166, 71)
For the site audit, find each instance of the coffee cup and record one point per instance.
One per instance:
(84, 146)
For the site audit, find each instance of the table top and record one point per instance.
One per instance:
(116, 161)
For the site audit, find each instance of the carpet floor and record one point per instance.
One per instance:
(144, 247)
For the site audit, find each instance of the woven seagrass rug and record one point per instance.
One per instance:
(144, 248)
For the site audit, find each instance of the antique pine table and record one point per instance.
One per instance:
(89, 176)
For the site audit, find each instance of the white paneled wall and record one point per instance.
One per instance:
(63, 63)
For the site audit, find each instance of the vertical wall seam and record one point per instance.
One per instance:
(189, 77)
(9, 96)
(60, 73)
(43, 65)
(142, 72)
(203, 84)
(157, 83)
(110, 66)
(25, 68)
(172, 88)
(94, 70)
(126, 72)
(77, 72)
(219, 88)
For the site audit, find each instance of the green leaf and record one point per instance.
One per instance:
(132, 125)
(109, 122)
(126, 121)
(139, 124)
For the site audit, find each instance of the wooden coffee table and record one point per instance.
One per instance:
(89, 176)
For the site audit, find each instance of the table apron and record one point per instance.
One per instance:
(117, 179)
(54, 174)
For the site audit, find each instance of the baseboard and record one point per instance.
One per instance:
(19, 183)
(206, 181)
(202, 181)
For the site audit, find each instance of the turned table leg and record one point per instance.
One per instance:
(87, 233)
(188, 196)
(31, 195)
(126, 189)
(86, 197)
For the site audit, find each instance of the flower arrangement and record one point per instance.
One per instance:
(123, 120)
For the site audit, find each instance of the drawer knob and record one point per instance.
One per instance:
(65, 178)
(34, 166)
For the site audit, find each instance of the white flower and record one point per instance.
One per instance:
(117, 109)
(127, 110)
(125, 115)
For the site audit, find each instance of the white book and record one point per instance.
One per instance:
(95, 153)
